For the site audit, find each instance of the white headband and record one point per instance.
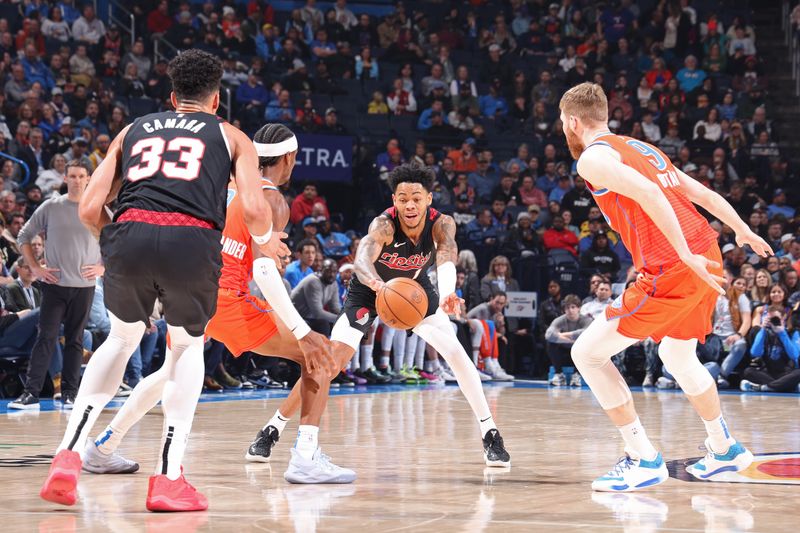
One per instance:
(276, 149)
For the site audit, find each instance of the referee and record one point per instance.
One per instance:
(73, 262)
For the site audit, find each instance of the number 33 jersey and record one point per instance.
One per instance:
(176, 163)
(642, 237)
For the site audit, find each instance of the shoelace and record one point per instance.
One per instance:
(624, 463)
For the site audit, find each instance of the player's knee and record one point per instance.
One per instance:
(580, 353)
(681, 361)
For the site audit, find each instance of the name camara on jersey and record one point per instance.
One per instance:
(192, 125)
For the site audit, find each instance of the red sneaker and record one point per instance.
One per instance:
(62, 479)
(179, 495)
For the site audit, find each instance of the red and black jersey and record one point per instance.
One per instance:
(176, 162)
(402, 258)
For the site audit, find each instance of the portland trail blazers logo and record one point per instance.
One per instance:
(362, 316)
(396, 262)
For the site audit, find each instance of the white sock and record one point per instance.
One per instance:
(718, 435)
(366, 357)
(476, 354)
(397, 361)
(355, 361)
(100, 381)
(307, 443)
(173, 446)
(410, 351)
(636, 440)
(384, 361)
(108, 441)
(419, 354)
(278, 421)
(181, 392)
(432, 365)
(486, 424)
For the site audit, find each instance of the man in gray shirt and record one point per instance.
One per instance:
(73, 263)
(560, 337)
(316, 298)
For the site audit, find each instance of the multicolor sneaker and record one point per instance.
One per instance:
(343, 380)
(429, 377)
(319, 469)
(97, 462)
(397, 378)
(62, 479)
(357, 380)
(631, 474)
(749, 386)
(163, 494)
(410, 376)
(736, 459)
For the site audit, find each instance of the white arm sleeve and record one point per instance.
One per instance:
(268, 279)
(446, 280)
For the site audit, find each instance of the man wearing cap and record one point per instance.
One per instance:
(77, 150)
(778, 205)
(182, 35)
(332, 126)
(267, 45)
(483, 179)
(61, 140)
(495, 68)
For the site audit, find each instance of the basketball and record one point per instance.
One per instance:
(401, 303)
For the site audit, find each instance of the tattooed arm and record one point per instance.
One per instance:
(444, 235)
(381, 233)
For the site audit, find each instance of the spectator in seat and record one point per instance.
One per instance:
(22, 294)
(306, 253)
(303, 204)
(483, 179)
(481, 231)
(499, 279)
(378, 105)
(778, 296)
(530, 194)
(775, 351)
(488, 326)
(464, 159)
(88, 29)
(779, 207)
(401, 101)
(550, 308)
(281, 109)
(500, 219)
(578, 200)
(601, 300)
(334, 244)
(600, 257)
(470, 292)
(522, 237)
(316, 298)
(561, 335)
(559, 237)
(506, 190)
(690, 77)
(331, 125)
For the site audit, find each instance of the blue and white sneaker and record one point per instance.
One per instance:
(736, 459)
(632, 474)
(319, 469)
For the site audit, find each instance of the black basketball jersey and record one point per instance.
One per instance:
(176, 162)
(401, 258)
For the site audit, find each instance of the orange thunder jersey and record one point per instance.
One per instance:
(648, 246)
(237, 253)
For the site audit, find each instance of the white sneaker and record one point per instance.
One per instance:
(665, 383)
(444, 374)
(632, 474)
(318, 470)
(97, 462)
(501, 375)
(559, 380)
(749, 386)
(575, 380)
(484, 376)
(124, 391)
(648, 381)
(736, 459)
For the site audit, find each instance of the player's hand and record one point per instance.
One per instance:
(376, 284)
(701, 266)
(48, 275)
(316, 349)
(451, 305)
(756, 243)
(275, 248)
(92, 272)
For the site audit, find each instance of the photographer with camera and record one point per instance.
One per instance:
(775, 354)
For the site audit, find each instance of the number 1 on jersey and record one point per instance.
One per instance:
(152, 150)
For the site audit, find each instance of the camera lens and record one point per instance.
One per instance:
(775, 321)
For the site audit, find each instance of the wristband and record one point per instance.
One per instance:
(446, 280)
(262, 239)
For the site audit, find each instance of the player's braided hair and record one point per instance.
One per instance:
(195, 75)
(271, 134)
(412, 173)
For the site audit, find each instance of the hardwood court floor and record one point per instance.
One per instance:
(418, 457)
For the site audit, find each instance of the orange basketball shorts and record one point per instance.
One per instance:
(672, 302)
(242, 321)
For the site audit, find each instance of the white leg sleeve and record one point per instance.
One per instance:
(344, 332)
(387, 338)
(435, 330)
(680, 359)
(592, 354)
(101, 380)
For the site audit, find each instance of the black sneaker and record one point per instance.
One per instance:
(264, 381)
(67, 400)
(260, 450)
(344, 380)
(376, 377)
(26, 401)
(370, 377)
(494, 451)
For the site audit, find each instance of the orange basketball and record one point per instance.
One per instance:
(401, 303)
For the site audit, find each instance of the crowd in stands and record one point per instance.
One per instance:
(470, 90)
